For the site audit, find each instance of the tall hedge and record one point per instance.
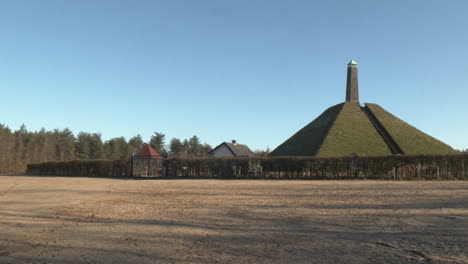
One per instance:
(91, 168)
(444, 167)
(394, 167)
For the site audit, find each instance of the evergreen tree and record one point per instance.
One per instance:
(96, 146)
(116, 148)
(6, 139)
(42, 145)
(135, 144)
(157, 141)
(20, 147)
(176, 147)
(206, 149)
(82, 145)
(195, 147)
(64, 144)
(185, 148)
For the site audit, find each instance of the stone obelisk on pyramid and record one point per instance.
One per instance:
(349, 128)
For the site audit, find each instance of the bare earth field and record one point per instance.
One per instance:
(98, 220)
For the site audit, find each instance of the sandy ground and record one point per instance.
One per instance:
(97, 220)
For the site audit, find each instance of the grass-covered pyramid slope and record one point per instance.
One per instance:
(307, 141)
(353, 132)
(410, 139)
(339, 131)
(367, 131)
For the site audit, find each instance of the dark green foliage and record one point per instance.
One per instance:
(195, 147)
(96, 147)
(18, 148)
(64, 144)
(409, 138)
(185, 148)
(6, 138)
(116, 148)
(135, 144)
(89, 168)
(157, 141)
(393, 167)
(188, 148)
(21, 147)
(82, 145)
(176, 147)
(206, 148)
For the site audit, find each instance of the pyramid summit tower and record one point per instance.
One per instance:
(352, 89)
(367, 130)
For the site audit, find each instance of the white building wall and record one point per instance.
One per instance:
(222, 151)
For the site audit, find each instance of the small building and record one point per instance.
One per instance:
(231, 149)
(147, 163)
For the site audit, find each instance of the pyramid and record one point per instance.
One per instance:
(411, 140)
(368, 130)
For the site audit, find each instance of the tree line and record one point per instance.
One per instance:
(191, 147)
(20, 147)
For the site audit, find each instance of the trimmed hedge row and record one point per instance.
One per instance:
(89, 168)
(444, 167)
(394, 167)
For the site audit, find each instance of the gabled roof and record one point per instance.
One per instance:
(147, 152)
(238, 150)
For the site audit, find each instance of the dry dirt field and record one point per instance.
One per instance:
(97, 220)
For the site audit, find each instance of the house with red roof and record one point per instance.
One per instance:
(147, 163)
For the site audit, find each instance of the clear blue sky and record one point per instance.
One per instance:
(255, 71)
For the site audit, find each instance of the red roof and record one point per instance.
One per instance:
(147, 152)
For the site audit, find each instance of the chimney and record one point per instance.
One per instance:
(352, 91)
(234, 141)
